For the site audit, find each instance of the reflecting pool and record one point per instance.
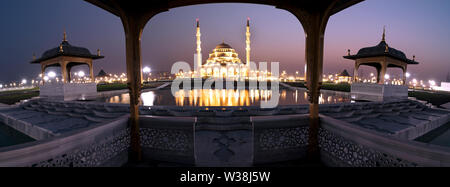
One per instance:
(224, 97)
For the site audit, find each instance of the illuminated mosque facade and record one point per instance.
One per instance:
(223, 61)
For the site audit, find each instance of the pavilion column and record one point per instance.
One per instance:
(69, 69)
(91, 71)
(42, 73)
(405, 69)
(355, 72)
(378, 74)
(133, 32)
(382, 72)
(314, 24)
(64, 71)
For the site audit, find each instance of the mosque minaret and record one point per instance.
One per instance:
(247, 42)
(198, 56)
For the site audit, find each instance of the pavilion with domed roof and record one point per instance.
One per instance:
(67, 56)
(381, 56)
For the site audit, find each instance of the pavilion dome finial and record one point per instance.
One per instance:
(384, 34)
(64, 36)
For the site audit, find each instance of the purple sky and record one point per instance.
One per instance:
(417, 27)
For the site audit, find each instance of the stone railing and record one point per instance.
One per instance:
(169, 139)
(101, 145)
(236, 141)
(280, 138)
(271, 139)
(223, 141)
(343, 144)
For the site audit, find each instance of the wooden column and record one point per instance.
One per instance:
(314, 24)
(91, 71)
(133, 33)
(405, 69)
(69, 68)
(382, 72)
(43, 74)
(355, 72)
(64, 71)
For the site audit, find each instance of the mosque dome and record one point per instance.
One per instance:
(223, 54)
(223, 45)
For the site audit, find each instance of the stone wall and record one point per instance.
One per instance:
(30, 130)
(280, 138)
(378, 92)
(271, 139)
(224, 141)
(68, 91)
(102, 145)
(168, 139)
(344, 145)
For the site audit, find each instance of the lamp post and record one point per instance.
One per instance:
(387, 77)
(432, 84)
(407, 74)
(81, 74)
(147, 70)
(51, 74)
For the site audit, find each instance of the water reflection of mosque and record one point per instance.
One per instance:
(231, 97)
(226, 97)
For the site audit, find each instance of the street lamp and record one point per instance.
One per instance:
(81, 74)
(147, 71)
(24, 81)
(51, 74)
(408, 75)
(432, 83)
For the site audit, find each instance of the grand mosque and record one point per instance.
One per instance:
(223, 61)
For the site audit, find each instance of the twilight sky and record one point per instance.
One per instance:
(417, 27)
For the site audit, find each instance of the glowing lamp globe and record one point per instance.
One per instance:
(146, 70)
(81, 74)
(51, 74)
